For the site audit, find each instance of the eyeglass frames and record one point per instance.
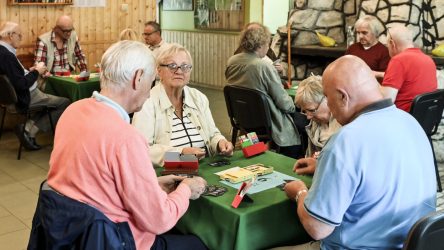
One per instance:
(149, 33)
(65, 31)
(20, 36)
(313, 111)
(174, 67)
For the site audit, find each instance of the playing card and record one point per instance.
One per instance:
(214, 190)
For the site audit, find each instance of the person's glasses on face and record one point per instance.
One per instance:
(149, 33)
(312, 111)
(65, 31)
(174, 67)
(18, 34)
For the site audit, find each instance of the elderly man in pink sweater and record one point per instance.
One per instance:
(101, 160)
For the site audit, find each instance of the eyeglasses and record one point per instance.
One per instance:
(65, 31)
(313, 111)
(149, 33)
(18, 34)
(174, 67)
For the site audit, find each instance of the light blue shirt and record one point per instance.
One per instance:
(375, 178)
(122, 112)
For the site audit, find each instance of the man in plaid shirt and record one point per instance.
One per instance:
(59, 49)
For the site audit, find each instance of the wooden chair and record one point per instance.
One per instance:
(8, 97)
(427, 233)
(427, 109)
(27, 60)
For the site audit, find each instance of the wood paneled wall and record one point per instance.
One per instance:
(210, 52)
(97, 27)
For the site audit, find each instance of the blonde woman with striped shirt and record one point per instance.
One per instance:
(176, 117)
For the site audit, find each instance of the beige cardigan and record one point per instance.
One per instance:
(154, 121)
(319, 134)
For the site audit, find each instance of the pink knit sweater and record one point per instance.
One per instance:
(101, 160)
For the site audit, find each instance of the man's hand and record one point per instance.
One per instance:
(196, 184)
(40, 67)
(46, 74)
(168, 182)
(292, 188)
(225, 147)
(305, 166)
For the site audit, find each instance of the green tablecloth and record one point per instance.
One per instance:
(269, 221)
(68, 87)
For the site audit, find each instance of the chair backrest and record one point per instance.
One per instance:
(427, 108)
(427, 233)
(7, 91)
(248, 110)
(60, 222)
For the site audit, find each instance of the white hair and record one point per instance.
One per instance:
(372, 23)
(7, 28)
(121, 61)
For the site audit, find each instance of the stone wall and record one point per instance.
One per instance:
(332, 17)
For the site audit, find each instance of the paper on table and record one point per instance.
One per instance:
(262, 182)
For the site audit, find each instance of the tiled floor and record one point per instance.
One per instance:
(20, 180)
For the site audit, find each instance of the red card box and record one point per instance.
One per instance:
(175, 160)
(241, 195)
(62, 73)
(254, 149)
(82, 79)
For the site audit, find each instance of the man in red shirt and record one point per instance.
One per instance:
(410, 71)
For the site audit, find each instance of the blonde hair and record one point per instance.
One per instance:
(128, 34)
(169, 51)
(7, 28)
(309, 91)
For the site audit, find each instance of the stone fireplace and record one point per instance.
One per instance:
(332, 17)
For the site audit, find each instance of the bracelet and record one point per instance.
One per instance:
(299, 194)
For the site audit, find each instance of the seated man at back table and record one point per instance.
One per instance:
(410, 71)
(368, 48)
(59, 48)
(364, 195)
(25, 86)
(152, 34)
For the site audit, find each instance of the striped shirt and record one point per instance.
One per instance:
(185, 134)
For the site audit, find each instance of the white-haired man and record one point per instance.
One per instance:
(25, 85)
(101, 160)
(410, 71)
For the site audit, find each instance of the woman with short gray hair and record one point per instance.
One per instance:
(311, 99)
(368, 47)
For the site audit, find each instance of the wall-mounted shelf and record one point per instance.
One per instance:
(40, 2)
